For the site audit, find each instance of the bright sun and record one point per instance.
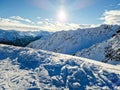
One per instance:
(62, 16)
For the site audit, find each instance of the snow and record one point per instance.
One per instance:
(97, 51)
(20, 38)
(31, 69)
(13, 78)
(70, 42)
(24, 68)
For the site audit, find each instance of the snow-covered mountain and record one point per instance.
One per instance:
(31, 69)
(69, 42)
(17, 38)
(107, 51)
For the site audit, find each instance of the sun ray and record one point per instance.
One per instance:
(62, 15)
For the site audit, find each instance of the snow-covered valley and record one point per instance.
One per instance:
(59, 44)
(36, 67)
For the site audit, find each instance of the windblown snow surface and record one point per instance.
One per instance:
(30, 69)
(70, 42)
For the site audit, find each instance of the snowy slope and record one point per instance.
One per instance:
(30, 69)
(69, 42)
(105, 51)
(19, 38)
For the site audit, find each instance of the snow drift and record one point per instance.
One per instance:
(30, 69)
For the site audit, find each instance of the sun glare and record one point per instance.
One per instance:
(62, 16)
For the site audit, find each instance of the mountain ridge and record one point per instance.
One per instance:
(20, 38)
(69, 42)
(100, 51)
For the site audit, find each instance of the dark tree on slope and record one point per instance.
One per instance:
(112, 54)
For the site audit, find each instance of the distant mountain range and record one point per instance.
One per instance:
(70, 42)
(17, 38)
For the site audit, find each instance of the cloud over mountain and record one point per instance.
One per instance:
(20, 19)
(24, 24)
(111, 17)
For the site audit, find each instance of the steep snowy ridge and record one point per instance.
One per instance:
(20, 38)
(69, 42)
(26, 69)
(107, 51)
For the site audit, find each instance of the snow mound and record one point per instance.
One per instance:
(30, 69)
(69, 42)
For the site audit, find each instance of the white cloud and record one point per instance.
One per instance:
(38, 17)
(39, 22)
(9, 24)
(48, 25)
(47, 19)
(111, 17)
(20, 19)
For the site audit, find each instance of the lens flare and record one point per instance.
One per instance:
(62, 15)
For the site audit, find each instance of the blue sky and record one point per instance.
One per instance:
(77, 11)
